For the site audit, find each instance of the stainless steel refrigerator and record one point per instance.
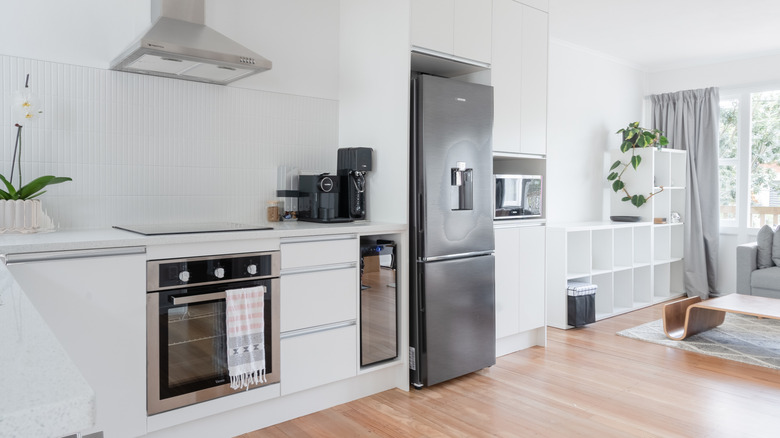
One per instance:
(452, 296)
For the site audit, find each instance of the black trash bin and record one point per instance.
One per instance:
(581, 303)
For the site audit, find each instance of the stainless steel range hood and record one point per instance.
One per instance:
(179, 45)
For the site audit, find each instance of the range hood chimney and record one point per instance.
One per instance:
(179, 45)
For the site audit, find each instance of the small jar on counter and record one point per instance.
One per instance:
(273, 210)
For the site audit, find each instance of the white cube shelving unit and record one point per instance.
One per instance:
(634, 264)
(614, 256)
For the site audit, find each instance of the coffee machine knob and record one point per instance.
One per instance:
(326, 184)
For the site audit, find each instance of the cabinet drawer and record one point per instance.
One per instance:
(318, 358)
(317, 298)
(318, 252)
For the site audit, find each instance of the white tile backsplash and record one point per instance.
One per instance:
(143, 149)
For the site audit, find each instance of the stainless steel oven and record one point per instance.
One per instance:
(186, 339)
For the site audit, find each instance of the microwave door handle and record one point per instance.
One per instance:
(177, 301)
(499, 193)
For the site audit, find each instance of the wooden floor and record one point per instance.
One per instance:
(588, 382)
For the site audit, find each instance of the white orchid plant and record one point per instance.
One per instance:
(26, 109)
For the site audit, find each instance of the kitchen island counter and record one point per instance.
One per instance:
(44, 394)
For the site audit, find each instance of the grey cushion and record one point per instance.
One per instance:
(767, 278)
(776, 249)
(767, 242)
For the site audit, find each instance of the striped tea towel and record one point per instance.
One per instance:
(578, 288)
(245, 331)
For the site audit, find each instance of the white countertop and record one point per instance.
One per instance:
(114, 238)
(43, 393)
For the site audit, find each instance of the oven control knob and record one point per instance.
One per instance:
(219, 272)
(184, 276)
(251, 269)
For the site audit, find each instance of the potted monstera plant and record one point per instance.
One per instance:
(20, 210)
(634, 137)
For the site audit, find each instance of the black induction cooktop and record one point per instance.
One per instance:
(204, 227)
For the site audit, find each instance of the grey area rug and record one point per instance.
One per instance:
(741, 338)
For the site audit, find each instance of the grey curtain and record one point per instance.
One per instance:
(690, 119)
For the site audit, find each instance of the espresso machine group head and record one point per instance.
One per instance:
(353, 163)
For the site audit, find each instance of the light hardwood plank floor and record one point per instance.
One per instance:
(587, 382)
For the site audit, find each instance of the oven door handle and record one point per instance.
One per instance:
(176, 301)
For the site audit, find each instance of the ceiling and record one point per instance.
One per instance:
(659, 35)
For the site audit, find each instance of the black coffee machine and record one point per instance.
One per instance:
(318, 198)
(353, 163)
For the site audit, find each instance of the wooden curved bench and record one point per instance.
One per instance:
(691, 316)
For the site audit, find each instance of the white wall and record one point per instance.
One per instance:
(750, 72)
(300, 37)
(145, 149)
(733, 74)
(80, 32)
(374, 98)
(590, 97)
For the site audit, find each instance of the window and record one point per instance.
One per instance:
(749, 151)
(727, 160)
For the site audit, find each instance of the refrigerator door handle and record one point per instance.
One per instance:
(420, 221)
(457, 256)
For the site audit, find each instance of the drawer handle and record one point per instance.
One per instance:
(317, 329)
(307, 269)
(47, 256)
(309, 239)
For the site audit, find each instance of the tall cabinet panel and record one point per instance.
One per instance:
(432, 24)
(533, 82)
(472, 37)
(507, 281)
(519, 77)
(455, 27)
(520, 286)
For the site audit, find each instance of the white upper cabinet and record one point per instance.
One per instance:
(519, 78)
(456, 27)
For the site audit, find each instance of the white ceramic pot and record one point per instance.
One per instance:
(20, 216)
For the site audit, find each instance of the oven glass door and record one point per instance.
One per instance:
(191, 347)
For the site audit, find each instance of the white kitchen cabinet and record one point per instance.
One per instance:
(315, 298)
(455, 27)
(519, 78)
(319, 357)
(318, 251)
(95, 303)
(319, 306)
(520, 285)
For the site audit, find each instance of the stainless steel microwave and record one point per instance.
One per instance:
(518, 196)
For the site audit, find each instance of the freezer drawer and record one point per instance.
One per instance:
(455, 332)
